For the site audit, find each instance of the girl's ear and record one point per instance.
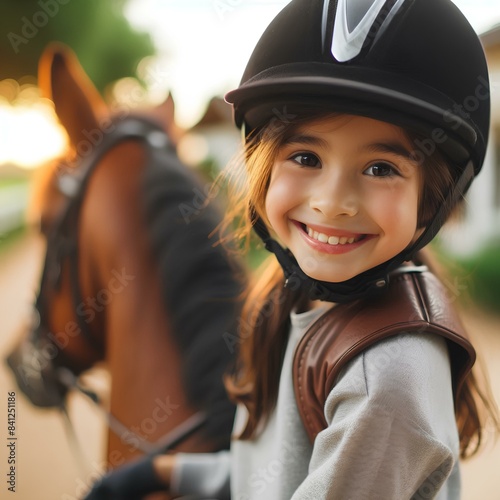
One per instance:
(77, 102)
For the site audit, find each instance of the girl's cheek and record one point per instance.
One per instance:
(279, 199)
(403, 216)
(273, 206)
(393, 208)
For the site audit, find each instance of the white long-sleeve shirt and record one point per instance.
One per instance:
(391, 434)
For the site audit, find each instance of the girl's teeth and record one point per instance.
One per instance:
(332, 240)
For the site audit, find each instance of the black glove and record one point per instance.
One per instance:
(130, 482)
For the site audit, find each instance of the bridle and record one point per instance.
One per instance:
(44, 382)
(62, 240)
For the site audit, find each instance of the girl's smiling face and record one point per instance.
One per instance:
(343, 195)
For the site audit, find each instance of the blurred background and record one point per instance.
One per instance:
(137, 52)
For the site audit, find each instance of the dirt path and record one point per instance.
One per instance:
(481, 475)
(46, 465)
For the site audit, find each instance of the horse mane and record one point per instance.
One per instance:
(201, 283)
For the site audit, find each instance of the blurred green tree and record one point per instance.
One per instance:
(107, 46)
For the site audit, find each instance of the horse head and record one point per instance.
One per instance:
(126, 280)
(53, 332)
(86, 119)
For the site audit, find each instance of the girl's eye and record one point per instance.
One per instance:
(381, 170)
(306, 160)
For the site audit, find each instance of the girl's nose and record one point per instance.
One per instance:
(335, 195)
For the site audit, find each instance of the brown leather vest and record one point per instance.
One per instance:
(415, 302)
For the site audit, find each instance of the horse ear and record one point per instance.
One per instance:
(165, 112)
(77, 102)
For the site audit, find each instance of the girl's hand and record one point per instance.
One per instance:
(134, 480)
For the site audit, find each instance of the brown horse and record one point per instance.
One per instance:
(131, 276)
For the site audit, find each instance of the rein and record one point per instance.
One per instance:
(62, 243)
(167, 442)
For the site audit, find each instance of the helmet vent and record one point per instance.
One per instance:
(357, 24)
(356, 12)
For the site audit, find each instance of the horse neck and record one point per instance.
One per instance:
(120, 273)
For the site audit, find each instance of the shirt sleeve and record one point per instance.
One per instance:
(391, 431)
(204, 475)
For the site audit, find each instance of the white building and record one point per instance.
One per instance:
(482, 217)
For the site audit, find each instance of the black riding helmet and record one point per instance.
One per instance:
(414, 63)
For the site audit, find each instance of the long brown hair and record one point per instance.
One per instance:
(265, 323)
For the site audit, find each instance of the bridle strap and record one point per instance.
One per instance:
(64, 234)
(157, 144)
(165, 443)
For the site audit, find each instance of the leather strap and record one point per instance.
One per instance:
(414, 302)
(62, 241)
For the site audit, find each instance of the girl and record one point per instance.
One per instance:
(364, 124)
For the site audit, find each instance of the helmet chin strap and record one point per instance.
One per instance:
(372, 281)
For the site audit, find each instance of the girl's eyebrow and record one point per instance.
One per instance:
(395, 148)
(310, 140)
